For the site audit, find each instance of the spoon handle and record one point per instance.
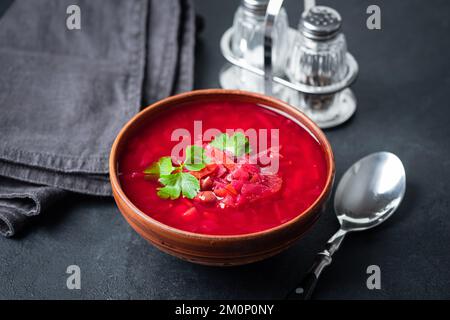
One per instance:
(305, 288)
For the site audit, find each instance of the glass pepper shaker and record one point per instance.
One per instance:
(319, 59)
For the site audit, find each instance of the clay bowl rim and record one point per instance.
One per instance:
(299, 116)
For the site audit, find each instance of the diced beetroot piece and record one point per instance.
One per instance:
(208, 170)
(256, 178)
(269, 170)
(252, 190)
(219, 183)
(190, 214)
(179, 209)
(226, 190)
(230, 165)
(221, 170)
(220, 192)
(228, 201)
(197, 174)
(206, 183)
(231, 190)
(240, 174)
(237, 185)
(274, 182)
(206, 197)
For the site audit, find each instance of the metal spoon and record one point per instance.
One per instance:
(369, 192)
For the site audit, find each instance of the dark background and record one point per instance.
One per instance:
(403, 107)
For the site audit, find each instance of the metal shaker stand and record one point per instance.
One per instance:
(347, 99)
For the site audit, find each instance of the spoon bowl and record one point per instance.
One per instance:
(370, 191)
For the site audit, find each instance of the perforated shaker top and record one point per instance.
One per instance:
(320, 23)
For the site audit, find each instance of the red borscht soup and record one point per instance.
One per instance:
(222, 168)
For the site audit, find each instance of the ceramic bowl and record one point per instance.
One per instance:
(215, 249)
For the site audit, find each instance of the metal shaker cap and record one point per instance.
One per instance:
(256, 6)
(320, 23)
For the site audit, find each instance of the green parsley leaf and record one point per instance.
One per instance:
(237, 144)
(170, 180)
(195, 158)
(172, 187)
(190, 186)
(160, 168)
(169, 192)
(178, 183)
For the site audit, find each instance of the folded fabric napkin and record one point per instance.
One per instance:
(65, 94)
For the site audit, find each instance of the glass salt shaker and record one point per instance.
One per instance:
(248, 42)
(319, 59)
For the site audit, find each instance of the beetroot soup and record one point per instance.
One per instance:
(222, 168)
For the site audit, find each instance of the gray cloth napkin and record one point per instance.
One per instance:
(65, 94)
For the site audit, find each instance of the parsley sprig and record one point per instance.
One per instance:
(175, 181)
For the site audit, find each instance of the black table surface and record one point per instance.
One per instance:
(403, 107)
